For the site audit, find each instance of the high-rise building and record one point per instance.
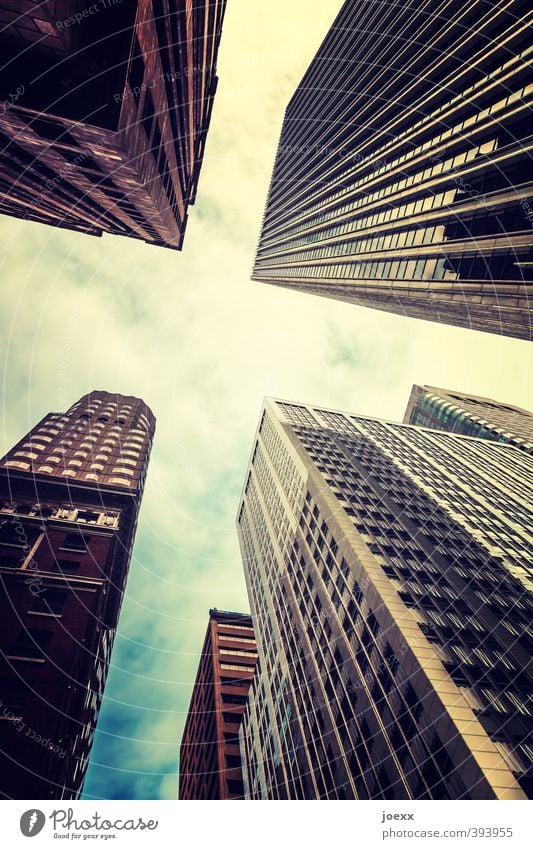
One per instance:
(461, 412)
(388, 576)
(401, 180)
(70, 493)
(210, 759)
(104, 112)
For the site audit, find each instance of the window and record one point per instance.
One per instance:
(247, 628)
(16, 464)
(12, 697)
(518, 703)
(50, 130)
(147, 120)
(231, 699)
(120, 481)
(233, 682)
(90, 516)
(231, 718)
(49, 601)
(31, 645)
(136, 73)
(157, 142)
(75, 542)
(227, 638)
(238, 651)
(231, 739)
(110, 519)
(236, 788)
(358, 593)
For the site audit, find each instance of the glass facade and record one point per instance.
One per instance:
(401, 180)
(459, 412)
(388, 575)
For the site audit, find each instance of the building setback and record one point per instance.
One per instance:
(210, 760)
(70, 493)
(460, 412)
(104, 112)
(390, 587)
(402, 178)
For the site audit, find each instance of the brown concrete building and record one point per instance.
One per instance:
(210, 760)
(461, 412)
(402, 179)
(104, 112)
(390, 583)
(70, 493)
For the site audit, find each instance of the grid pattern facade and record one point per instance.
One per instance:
(391, 599)
(103, 438)
(210, 758)
(471, 415)
(66, 537)
(34, 22)
(110, 136)
(402, 176)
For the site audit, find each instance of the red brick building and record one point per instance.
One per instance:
(70, 493)
(210, 759)
(104, 112)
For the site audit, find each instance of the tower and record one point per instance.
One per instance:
(390, 588)
(104, 113)
(70, 493)
(402, 177)
(210, 758)
(461, 412)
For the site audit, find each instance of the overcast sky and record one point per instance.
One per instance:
(202, 344)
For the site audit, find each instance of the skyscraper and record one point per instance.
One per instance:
(104, 113)
(388, 575)
(70, 493)
(210, 760)
(402, 176)
(460, 412)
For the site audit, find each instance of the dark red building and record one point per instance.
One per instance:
(210, 759)
(104, 112)
(70, 493)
